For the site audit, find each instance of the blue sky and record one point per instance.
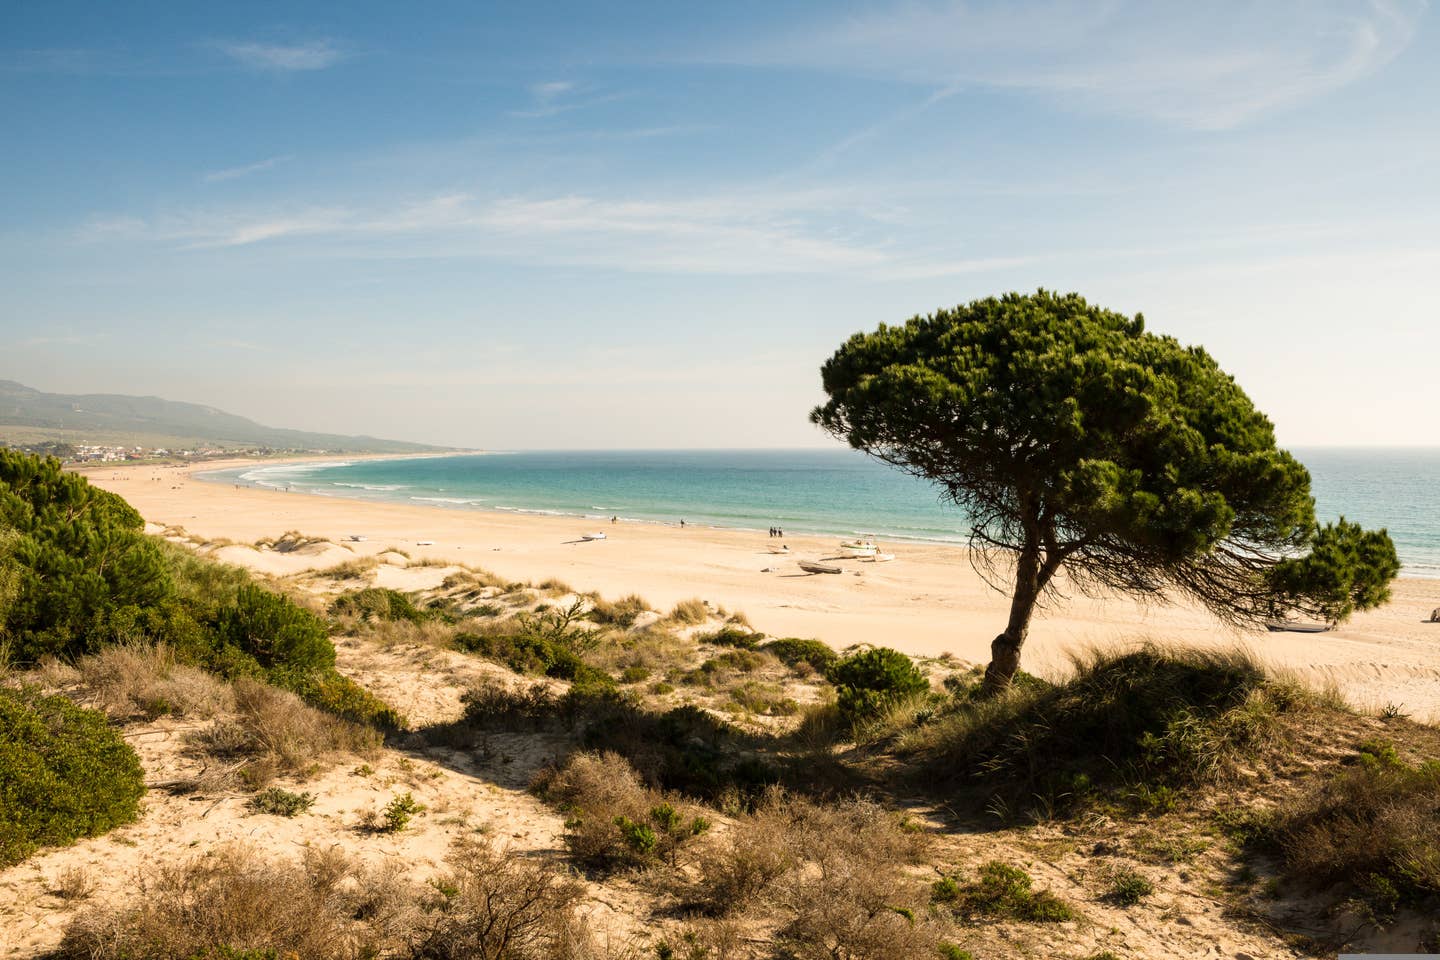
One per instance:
(646, 225)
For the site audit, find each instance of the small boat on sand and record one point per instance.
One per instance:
(779, 549)
(859, 547)
(597, 535)
(810, 566)
(1296, 626)
(882, 557)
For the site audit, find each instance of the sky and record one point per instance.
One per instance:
(646, 225)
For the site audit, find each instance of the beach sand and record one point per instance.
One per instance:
(928, 601)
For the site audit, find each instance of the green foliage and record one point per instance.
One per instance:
(950, 951)
(336, 693)
(79, 555)
(64, 773)
(1005, 892)
(1127, 887)
(1071, 436)
(282, 637)
(1348, 568)
(281, 803)
(868, 681)
(548, 643)
(399, 811)
(732, 636)
(378, 603)
(791, 651)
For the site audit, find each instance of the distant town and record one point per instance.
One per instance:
(105, 453)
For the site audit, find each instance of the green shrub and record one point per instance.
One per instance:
(868, 681)
(281, 636)
(378, 603)
(732, 636)
(1004, 892)
(64, 774)
(338, 694)
(1127, 887)
(399, 811)
(280, 803)
(791, 651)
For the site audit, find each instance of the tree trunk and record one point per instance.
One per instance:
(1005, 649)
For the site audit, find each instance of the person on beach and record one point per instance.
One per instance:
(682, 521)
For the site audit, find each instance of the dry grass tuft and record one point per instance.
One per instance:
(226, 903)
(690, 612)
(273, 731)
(137, 680)
(74, 883)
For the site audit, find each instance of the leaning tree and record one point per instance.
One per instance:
(1072, 438)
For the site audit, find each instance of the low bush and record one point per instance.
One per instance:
(336, 693)
(1372, 827)
(732, 636)
(1125, 887)
(852, 895)
(398, 813)
(145, 680)
(377, 603)
(64, 774)
(1001, 891)
(866, 682)
(496, 905)
(231, 904)
(1133, 728)
(273, 731)
(281, 636)
(281, 803)
(792, 652)
(614, 820)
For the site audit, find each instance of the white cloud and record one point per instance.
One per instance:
(312, 55)
(813, 231)
(235, 173)
(1205, 66)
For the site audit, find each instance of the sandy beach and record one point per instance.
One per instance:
(928, 601)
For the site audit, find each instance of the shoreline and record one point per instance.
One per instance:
(927, 602)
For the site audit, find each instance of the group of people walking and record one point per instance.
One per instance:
(776, 532)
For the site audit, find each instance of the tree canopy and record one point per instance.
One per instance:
(1073, 438)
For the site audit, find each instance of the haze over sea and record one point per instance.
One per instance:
(805, 491)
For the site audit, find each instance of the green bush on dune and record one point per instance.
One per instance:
(867, 682)
(64, 774)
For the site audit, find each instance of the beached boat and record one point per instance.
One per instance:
(882, 558)
(597, 535)
(810, 566)
(1296, 626)
(861, 547)
(779, 549)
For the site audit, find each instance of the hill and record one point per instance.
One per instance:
(30, 416)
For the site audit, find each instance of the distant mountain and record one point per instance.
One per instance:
(115, 418)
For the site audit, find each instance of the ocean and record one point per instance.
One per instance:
(804, 491)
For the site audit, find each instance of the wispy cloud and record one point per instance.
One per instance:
(283, 57)
(560, 96)
(235, 173)
(1205, 66)
(813, 231)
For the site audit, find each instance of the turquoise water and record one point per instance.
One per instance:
(804, 491)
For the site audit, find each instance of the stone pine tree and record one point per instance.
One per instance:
(1072, 438)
